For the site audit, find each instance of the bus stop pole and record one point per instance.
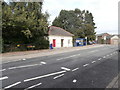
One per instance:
(86, 40)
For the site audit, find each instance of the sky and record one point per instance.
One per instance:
(105, 12)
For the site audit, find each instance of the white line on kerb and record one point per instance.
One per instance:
(2, 78)
(24, 66)
(58, 76)
(12, 85)
(75, 69)
(64, 68)
(2, 70)
(47, 75)
(33, 86)
(93, 61)
(85, 65)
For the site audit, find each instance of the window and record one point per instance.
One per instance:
(68, 41)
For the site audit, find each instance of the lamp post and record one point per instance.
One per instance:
(86, 40)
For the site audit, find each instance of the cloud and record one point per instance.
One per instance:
(105, 12)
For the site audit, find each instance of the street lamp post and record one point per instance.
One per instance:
(86, 40)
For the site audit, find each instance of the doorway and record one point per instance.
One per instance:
(54, 43)
(62, 40)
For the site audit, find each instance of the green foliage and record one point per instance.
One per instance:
(1, 42)
(78, 22)
(24, 23)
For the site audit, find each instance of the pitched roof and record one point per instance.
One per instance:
(108, 37)
(101, 34)
(53, 30)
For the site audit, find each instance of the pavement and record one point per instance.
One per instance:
(20, 55)
(114, 83)
(94, 66)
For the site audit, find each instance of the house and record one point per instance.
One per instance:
(106, 38)
(113, 39)
(59, 37)
(102, 38)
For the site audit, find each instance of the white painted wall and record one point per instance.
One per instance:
(58, 40)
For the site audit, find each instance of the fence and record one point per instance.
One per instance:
(21, 47)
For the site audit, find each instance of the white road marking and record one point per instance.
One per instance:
(93, 61)
(59, 59)
(73, 55)
(43, 62)
(23, 59)
(64, 68)
(33, 86)
(2, 78)
(99, 58)
(104, 57)
(85, 65)
(74, 81)
(24, 66)
(75, 69)
(107, 55)
(111, 54)
(69, 57)
(93, 51)
(12, 85)
(66, 57)
(43, 76)
(58, 76)
(2, 70)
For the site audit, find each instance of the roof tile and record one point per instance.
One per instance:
(53, 30)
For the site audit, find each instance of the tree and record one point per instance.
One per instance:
(78, 22)
(24, 23)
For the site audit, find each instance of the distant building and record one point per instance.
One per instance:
(113, 39)
(59, 37)
(102, 38)
(106, 38)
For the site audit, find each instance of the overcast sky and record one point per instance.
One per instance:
(105, 12)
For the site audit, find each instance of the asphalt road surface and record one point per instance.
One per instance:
(89, 68)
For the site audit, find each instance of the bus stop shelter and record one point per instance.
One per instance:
(80, 42)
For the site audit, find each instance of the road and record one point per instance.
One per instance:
(88, 68)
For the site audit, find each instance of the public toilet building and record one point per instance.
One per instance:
(59, 37)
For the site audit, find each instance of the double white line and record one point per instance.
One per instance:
(43, 76)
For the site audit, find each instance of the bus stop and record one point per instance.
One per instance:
(80, 42)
